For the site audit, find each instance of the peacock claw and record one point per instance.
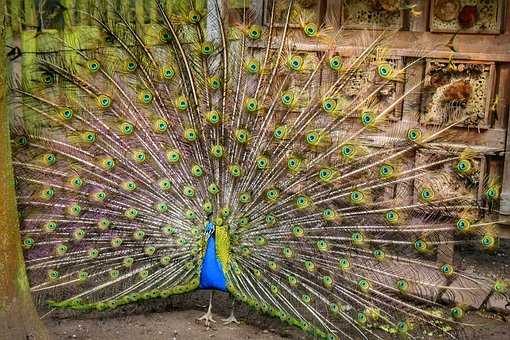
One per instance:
(231, 319)
(208, 318)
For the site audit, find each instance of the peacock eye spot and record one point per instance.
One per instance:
(21, 140)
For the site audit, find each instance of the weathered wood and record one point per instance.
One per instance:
(498, 303)
(470, 293)
(426, 44)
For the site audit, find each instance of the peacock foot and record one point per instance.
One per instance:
(208, 318)
(231, 319)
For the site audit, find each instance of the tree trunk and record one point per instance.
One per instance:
(18, 317)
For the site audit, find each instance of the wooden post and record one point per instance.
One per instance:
(18, 317)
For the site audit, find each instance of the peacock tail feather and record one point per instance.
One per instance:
(322, 217)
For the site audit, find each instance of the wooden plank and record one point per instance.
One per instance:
(467, 292)
(419, 23)
(492, 48)
(498, 303)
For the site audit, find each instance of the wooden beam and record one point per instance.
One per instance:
(495, 48)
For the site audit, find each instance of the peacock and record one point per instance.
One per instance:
(209, 150)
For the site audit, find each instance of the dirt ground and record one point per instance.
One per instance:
(175, 318)
(171, 319)
(182, 324)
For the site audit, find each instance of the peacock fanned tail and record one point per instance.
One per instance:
(324, 218)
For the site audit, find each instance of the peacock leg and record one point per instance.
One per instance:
(208, 317)
(231, 318)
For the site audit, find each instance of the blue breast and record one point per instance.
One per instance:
(211, 273)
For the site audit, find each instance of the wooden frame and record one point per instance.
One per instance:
(490, 88)
(399, 26)
(472, 30)
(267, 3)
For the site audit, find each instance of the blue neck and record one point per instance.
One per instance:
(211, 273)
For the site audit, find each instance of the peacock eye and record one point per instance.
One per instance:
(159, 125)
(295, 63)
(213, 189)
(66, 113)
(414, 134)
(344, 264)
(197, 171)
(127, 128)
(213, 117)
(253, 66)
(385, 70)
(245, 197)
(446, 269)
(165, 184)
(190, 135)
(255, 32)
(367, 118)
(262, 162)
(214, 83)
(335, 63)
(241, 136)
(426, 194)
(402, 327)
(189, 191)
(104, 101)
(21, 140)
(207, 49)
(48, 79)
(297, 231)
(168, 72)
(286, 99)
(217, 151)
(131, 66)
(491, 193)
(386, 171)
(420, 245)
(488, 241)
(457, 312)
(194, 17)
(181, 103)
(235, 170)
(357, 197)
(462, 224)
(28, 243)
(251, 105)
(310, 30)
(357, 238)
(312, 137)
(145, 97)
(329, 105)
(93, 66)
(139, 156)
